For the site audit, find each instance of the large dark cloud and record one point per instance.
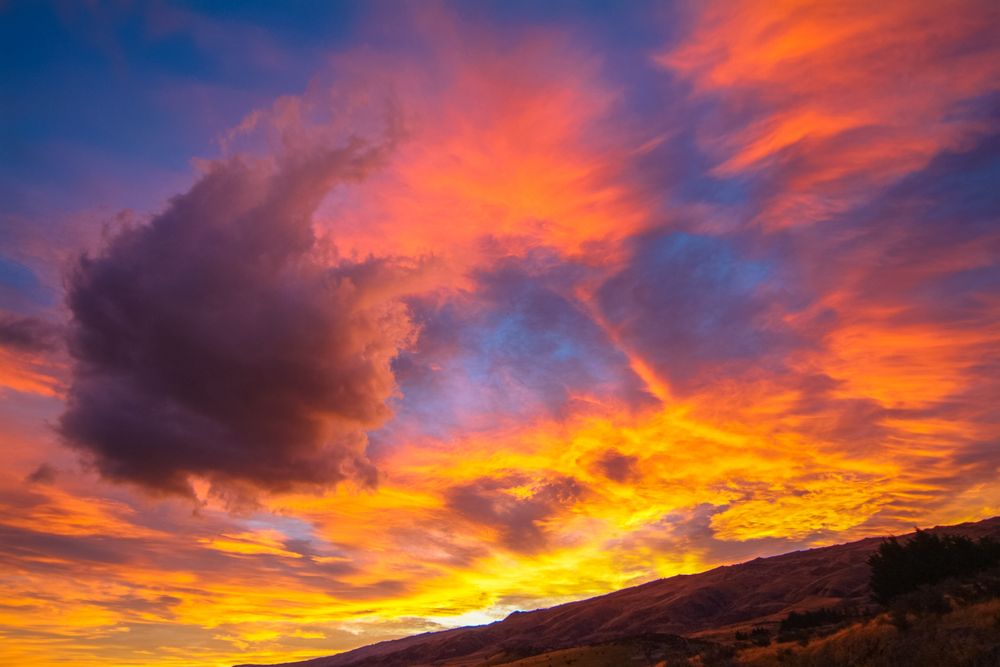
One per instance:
(217, 342)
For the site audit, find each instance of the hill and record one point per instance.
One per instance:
(678, 617)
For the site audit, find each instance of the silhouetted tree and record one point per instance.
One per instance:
(925, 559)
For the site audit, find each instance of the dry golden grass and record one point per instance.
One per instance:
(584, 656)
(965, 637)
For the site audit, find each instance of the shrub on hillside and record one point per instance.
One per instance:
(759, 635)
(925, 559)
(811, 619)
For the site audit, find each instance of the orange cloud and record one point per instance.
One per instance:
(839, 97)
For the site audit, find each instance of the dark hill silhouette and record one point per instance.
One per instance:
(761, 591)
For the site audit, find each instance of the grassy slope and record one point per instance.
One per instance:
(965, 637)
(645, 650)
(585, 656)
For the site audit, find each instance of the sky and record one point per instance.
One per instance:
(323, 323)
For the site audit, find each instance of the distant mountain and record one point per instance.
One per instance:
(678, 616)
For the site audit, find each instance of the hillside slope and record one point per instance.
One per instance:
(966, 636)
(759, 591)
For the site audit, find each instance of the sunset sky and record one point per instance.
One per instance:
(327, 323)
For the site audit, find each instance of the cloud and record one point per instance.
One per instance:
(817, 104)
(26, 334)
(43, 474)
(696, 309)
(29, 351)
(218, 341)
(514, 506)
(517, 345)
(617, 467)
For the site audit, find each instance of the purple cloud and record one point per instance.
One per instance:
(216, 342)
